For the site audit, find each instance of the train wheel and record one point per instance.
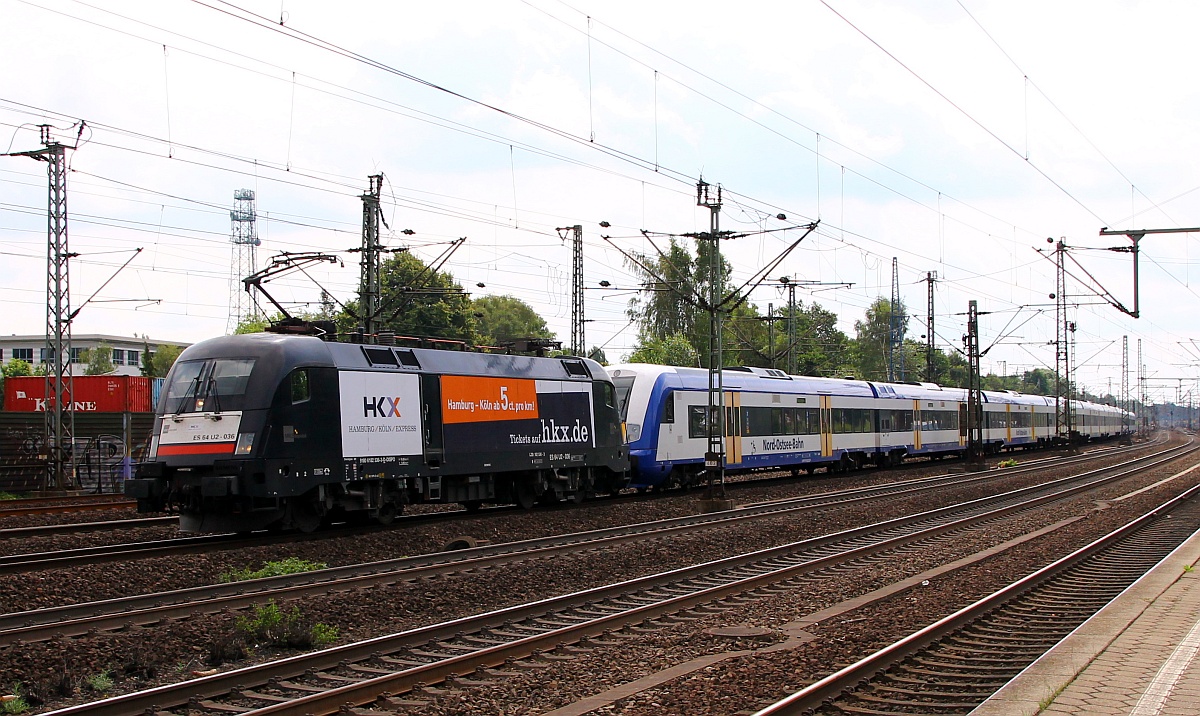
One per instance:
(387, 513)
(304, 515)
(525, 495)
(472, 506)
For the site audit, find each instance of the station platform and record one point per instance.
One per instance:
(1138, 656)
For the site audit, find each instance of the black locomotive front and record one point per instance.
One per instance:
(243, 431)
(271, 431)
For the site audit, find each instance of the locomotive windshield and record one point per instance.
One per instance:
(208, 385)
(624, 386)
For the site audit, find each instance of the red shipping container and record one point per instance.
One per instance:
(89, 393)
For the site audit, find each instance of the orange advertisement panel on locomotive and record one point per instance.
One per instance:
(470, 399)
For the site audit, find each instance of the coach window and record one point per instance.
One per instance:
(299, 381)
(668, 407)
(697, 424)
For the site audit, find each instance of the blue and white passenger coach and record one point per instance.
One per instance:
(779, 421)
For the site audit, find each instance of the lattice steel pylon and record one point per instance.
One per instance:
(371, 266)
(791, 329)
(578, 343)
(974, 415)
(1063, 423)
(930, 371)
(60, 407)
(714, 457)
(1125, 404)
(244, 237)
(896, 317)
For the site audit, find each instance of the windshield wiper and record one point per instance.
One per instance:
(189, 393)
(216, 394)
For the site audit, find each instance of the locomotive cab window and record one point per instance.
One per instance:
(299, 385)
(208, 385)
(624, 388)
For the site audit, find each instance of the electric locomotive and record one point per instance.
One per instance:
(284, 431)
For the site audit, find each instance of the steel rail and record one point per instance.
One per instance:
(80, 619)
(819, 692)
(577, 615)
(11, 564)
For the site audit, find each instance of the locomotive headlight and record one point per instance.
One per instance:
(245, 443)
(633, 431)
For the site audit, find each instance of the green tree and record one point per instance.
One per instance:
(98, 359)
(675, 290)
(661, 310)
(672, 350)
(417, 301)
(502, 319)
(158, 363)
(873, 337)
(255, 324)
(597, 354)
(14, 367)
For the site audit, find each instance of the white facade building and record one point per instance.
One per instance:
(126, 351)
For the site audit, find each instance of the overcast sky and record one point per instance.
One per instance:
(956, 137)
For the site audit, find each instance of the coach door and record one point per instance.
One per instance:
(431, 409)
(962, 424)
(826, 427)
(916, 425)
(733, 428)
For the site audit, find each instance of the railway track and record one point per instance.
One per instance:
(951, 666)
(85, 618)
(19, 563)
(61, 504)
(51, 504)
(497, 642)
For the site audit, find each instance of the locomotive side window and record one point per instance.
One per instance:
(610, 397)
(669, 407)
(299, 382)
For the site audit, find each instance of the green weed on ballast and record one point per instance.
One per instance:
(1007, 463)
(1187, 568)
(291, 565)
(101, 683)
(8, 496)
(271, 626)
(324, 634)
(14, 702)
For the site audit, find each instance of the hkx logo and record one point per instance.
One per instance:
(381, 407)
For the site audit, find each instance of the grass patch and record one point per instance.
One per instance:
(269, 625)
(101, 683)
(291, 565)
(8, 496)
(1007, 463)
(14, 702)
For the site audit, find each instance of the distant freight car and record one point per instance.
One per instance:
(89, 393)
